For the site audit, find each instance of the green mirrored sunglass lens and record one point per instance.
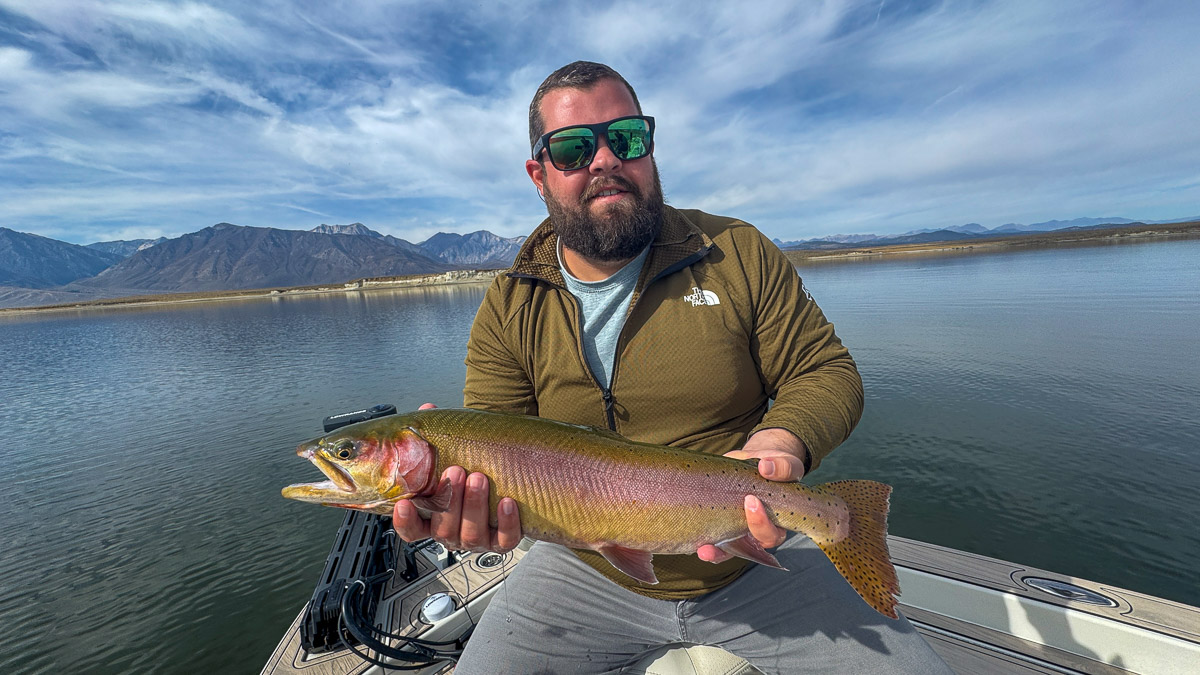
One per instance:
(627, 144)
(571, 148)
(627, 138)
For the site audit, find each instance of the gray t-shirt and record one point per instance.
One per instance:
(604, 305)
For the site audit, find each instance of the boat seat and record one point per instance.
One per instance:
(681, 659)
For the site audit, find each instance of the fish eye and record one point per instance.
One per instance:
(344, 450)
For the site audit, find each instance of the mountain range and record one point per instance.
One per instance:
(961, 232)
(32, 261)
(36, 270)
(39, 270)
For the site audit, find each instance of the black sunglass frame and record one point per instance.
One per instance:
(597, 130)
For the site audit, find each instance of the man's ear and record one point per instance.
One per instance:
(537, 174)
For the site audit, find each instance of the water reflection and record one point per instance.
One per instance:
(147, 446)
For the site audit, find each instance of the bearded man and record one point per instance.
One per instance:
(669, 327)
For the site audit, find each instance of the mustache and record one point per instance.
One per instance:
(599, 185)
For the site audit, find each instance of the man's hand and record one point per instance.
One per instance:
(465, 525)
(779, 454)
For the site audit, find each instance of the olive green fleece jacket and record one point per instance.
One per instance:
(719, 326)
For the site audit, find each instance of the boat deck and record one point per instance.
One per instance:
(990, 616)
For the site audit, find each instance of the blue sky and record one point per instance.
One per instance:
(130, 119)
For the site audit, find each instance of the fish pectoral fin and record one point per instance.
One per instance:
(439, 501)
(631, 561)
(748, 547)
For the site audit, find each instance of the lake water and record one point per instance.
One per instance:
(1038, 407)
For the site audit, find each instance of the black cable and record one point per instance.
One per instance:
(359, 620)
(352, 621)
(424, 653)
(424, 656)
(384, 664)
(391, 572)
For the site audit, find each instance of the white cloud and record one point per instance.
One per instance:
(807, 118)
(96, 23)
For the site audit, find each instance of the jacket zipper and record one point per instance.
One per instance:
(608, 410)
(606, 392)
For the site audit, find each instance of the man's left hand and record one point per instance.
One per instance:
(779, 453)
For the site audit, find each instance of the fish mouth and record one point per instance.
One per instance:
(334, 473)
(340, 485)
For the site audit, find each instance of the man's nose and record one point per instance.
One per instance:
(605, 160)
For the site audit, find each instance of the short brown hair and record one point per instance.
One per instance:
(577, 75)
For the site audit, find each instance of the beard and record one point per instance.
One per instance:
(620, 231)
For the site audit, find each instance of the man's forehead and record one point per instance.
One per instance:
(607, 99)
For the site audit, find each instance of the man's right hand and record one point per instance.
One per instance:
(466, 524)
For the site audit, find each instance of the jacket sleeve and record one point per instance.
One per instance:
(817, 391)
(496, 378)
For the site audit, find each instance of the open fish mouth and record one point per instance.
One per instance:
(340, 484)
(335, 474)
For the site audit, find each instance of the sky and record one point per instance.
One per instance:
(132, 119)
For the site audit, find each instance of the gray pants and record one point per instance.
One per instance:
(560, 616)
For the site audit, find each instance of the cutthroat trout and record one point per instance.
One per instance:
(590, 488)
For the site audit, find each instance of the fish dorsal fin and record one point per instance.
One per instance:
(631, 561)
(748, 547)
(439, 501)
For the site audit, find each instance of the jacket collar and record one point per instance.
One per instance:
(679, 243)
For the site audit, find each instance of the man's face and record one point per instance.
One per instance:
(611, 209)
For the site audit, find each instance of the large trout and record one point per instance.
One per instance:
(593, 489)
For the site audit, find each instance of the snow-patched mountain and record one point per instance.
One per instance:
(480, 248)
(125, 247)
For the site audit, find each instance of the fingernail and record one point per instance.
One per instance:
(476, 481)
(767, 468)
(751, 503)
(507, 507)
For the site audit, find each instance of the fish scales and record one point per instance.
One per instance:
(572, 485)
(591, 488)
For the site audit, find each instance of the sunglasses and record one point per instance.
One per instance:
(574, 147)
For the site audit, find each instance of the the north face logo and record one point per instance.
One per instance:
(701, 297)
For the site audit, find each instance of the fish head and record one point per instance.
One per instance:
(368, 466)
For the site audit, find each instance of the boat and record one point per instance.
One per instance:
(982, 615)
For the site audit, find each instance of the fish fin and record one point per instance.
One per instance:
(439, 501)
(631, 561)
(748, 547)
(862, 556)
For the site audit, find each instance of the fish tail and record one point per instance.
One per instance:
(862, 554)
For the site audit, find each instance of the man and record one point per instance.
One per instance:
(669, 327)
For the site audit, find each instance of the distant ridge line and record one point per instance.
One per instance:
(1028, 240)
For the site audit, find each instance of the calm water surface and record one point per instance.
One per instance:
(1038, 407)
